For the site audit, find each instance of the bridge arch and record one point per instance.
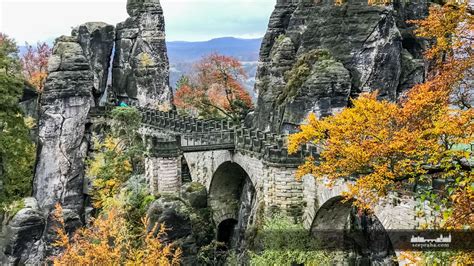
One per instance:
(396, 212)
(338, 225)
(232, 198)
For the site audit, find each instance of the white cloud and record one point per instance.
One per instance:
(33, 20)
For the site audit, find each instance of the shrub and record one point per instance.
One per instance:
(284, 242)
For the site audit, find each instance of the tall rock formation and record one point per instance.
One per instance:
(64, 108)
(63, 147)
(97, 41)
(141, 67)
(316, 55)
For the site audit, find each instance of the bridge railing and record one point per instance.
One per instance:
(174, 122)
(199, 135)
(271, 147)
(208, 141)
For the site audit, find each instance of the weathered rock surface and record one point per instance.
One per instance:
(97, 42)
(194, 194)
(21, 236)
(141, 67)
(370, 47)
(64, 108)
(187, 226)
(62, 145)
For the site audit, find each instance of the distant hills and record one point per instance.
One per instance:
(242, 49)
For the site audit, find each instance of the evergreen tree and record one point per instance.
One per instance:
(16, 148)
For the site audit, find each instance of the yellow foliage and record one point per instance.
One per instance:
(107, 241)
(108, 170)
(380, 143)
(146, 60)
(30, 122)
(164, 107)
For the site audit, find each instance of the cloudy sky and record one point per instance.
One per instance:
(189, 20)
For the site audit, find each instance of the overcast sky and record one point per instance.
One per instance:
(188, 20)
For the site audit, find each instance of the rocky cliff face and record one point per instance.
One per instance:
(97, 42)
(64, 108)
(77, 81)
(141, 67)
(317, 55)
(62, 149)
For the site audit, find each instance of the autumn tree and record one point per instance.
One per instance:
(381, 146)
(118, 156)
(16, 149)
(107, 241)
(216, 90)
(35, 64)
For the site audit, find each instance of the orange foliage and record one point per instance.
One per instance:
(381, 144)
(217, 89)
(35, 64)
(107, 242)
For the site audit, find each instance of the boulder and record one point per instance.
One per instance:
(170, 212)
(21, 236)
(187, 227)
(194, 194)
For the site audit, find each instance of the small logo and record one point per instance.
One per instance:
(440, 242)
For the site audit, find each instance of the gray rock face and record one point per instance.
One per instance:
(62, 147)
(21, 237)
(97, 42)
(370, 47)
(141, 67)
(64, 108)
(194, 194)
(187, 226)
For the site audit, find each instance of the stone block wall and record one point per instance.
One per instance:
(283, 191)
(163, 174)
(275, 185)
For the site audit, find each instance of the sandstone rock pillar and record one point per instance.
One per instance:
(62, 147)
(141, 67)
(97, 42)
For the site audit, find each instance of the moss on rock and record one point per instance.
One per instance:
(296, 77)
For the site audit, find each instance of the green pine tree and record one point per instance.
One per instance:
(17, 151)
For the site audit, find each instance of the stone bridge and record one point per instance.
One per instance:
(223, 156)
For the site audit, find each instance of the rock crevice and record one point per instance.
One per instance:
(371, 46)
(141, 66)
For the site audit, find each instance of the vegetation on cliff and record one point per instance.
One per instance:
(119, 157)
(120, 235)
(296, 77)
(17, 151)
(383, 146)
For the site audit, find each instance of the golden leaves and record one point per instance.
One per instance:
(380, 144)
(107, 241)
(108, 169)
